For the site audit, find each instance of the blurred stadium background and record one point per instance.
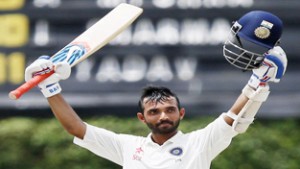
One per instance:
(175, 43)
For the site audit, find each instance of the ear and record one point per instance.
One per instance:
(181, 113)
(141, 117)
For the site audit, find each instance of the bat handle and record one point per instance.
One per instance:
(25, 87)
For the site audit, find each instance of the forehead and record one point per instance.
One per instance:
(154, 104)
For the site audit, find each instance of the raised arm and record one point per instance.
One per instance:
(67, 116)
(51, 90)
(243, 111)
(236, 108)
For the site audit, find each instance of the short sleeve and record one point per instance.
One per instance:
(214, 138)
(103, 143)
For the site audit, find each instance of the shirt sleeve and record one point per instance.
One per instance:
(215, 137)
(103, 143)
(221, 136)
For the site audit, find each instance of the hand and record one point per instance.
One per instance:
(272, 69)
(49, 86)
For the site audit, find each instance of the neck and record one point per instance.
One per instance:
(162, 138)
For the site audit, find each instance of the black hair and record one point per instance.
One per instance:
(158, 94)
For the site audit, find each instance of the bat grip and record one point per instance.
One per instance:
(25, 87)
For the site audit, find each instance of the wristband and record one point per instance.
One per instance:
(51, 90)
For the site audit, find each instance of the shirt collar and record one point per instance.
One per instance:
(171, 140)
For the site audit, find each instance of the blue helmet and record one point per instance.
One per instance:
(250, 37)
(260, 27)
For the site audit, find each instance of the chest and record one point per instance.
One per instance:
(170, 156)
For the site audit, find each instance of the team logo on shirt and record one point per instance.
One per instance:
(138, 154)
(177, 151)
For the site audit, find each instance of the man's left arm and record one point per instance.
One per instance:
(243, 111)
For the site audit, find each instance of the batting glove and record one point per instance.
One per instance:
(272, 69)
(50, 86)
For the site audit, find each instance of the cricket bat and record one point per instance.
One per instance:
(98, 35)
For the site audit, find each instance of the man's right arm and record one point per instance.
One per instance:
(51, 90)
(67, 116)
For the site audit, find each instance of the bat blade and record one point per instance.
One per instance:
(94, 38)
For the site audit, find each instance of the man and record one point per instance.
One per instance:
(166, 147)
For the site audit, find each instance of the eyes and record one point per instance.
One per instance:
(168, 110)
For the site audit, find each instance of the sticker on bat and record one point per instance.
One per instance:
(70, 53)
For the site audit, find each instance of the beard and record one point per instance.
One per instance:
(158, 129)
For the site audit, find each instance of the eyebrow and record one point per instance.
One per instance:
(152, 109)
(168, 107)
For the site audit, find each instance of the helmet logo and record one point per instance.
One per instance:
(263, 31)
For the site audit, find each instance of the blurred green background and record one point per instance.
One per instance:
(42, 143)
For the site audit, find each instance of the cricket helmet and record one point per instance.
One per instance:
(250, 38)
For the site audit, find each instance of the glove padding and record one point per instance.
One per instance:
(49, 86)
(272, 69)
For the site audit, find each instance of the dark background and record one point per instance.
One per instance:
(211, 88)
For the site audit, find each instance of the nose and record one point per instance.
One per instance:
(163, 116)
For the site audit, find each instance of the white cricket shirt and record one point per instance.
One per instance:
(194, 150)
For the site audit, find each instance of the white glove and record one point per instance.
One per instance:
(49, 86)
(271, 70)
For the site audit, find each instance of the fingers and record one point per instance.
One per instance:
(43, 65)
(277, 64)
(278, 52)
(277, 61)
(44, 62)
(38, 67)
(63, 70)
